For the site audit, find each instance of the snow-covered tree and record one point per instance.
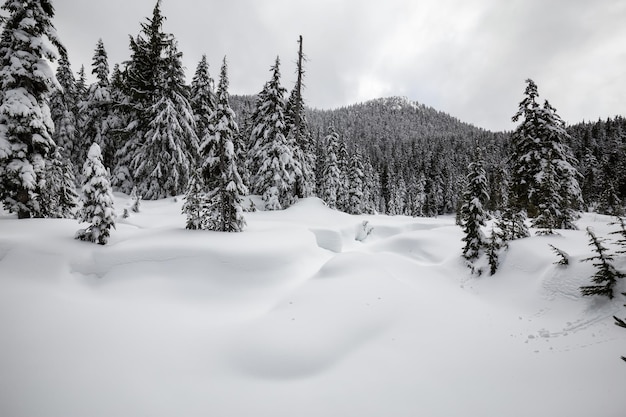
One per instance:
(356, 178)
(274, 169)
(299, 135)
(331, 176)
(225, 188)
(473, 215)
(26, 81)
(59, 196)
(343, 162)
(64, 110)
(97, 200)
(202, 98)
(161, 146)
(544, 180)
(196, 204)
(606, 275)
(97, 108)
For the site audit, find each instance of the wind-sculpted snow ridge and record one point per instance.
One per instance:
(305, 313)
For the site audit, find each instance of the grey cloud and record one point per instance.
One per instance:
(468, 58)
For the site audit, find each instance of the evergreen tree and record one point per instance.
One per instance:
(299, 135)
(60, 197)
(202, 98)
(331, 176)
(356, 201)
(97, 199)
(621, 232)
(224, 210)
(64, 110)
(196, 203)
(525, 159)
(343, 161)
(473, 215)
(272, 157)
(97, 108)
(161, 146)
(606, 275)
(26, 82)
(544, 181)
(494, 245)
(513, 224)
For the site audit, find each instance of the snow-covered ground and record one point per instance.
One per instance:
(295, 317)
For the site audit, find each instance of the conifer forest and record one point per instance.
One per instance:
(75, 143)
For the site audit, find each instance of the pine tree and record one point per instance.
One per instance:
(473, 215)
(299, 134)
(606, 275)
(275, 169)
(331, 176)
(97, 199)
(26, 82)
(224, 210)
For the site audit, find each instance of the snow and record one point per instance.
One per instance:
(303, 314)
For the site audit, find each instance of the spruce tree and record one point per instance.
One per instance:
(225, 188)
(473, 215)
(97, 200)
(272, 157)
(26, 82)
(606, 275)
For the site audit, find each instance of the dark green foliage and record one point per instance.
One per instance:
(606, 275)
(563, 256)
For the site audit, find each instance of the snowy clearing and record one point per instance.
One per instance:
(302, 314)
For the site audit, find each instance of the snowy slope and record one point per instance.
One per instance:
(295, 317)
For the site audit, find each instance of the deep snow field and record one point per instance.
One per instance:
(295, 317)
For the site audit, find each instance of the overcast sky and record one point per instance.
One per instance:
(468, 58)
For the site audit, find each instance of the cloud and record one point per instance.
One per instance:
(466, 57)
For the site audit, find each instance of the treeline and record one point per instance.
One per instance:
(156, 133)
